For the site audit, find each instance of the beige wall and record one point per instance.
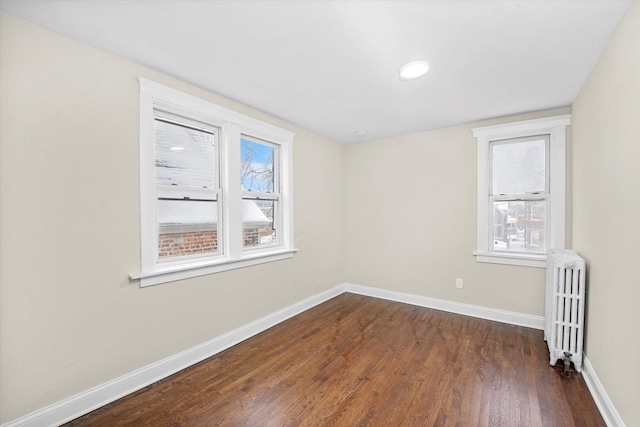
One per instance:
(606, 213)
(398, 213)
(69, 215)
(411, 221)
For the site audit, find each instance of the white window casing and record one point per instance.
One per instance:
(555, 129)
(159, 101)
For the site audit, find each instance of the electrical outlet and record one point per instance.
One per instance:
(459, 283)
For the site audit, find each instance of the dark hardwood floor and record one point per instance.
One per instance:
(358, 361)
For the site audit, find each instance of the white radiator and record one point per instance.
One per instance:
(564, 307)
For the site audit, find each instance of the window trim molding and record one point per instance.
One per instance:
(556, 128)
(157, 97)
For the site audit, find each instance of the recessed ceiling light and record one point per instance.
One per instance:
(176, 148)
(414, 69)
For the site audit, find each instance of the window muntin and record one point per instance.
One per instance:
(519, 186)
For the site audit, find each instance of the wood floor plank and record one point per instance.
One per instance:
(361, 361)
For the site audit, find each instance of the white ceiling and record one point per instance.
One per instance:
(332, 66)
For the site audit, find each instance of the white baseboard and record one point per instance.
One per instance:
(520, 319)
(604, 404)
(87, 401)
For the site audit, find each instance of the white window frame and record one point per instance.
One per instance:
(556, 128)
(155, 98)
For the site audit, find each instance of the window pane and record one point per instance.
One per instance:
(519, 226)
(184, 156)
(187, 227)
(518, 167)
(257, 167)
(257, 223)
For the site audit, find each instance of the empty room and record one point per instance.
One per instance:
(319, 213)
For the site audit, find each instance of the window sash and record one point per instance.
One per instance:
(177, 120)
(522, 198)
(493, 143)
(190, 194)
(276, 162)
(276, 222)
(277, 216)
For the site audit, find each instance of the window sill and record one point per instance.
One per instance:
(193, 269)
(538, 261)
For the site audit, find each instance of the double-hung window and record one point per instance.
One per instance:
(521, 191)
(188, 188)
(215, 188)
(262, 216)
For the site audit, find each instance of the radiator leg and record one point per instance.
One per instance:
(567, 364)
